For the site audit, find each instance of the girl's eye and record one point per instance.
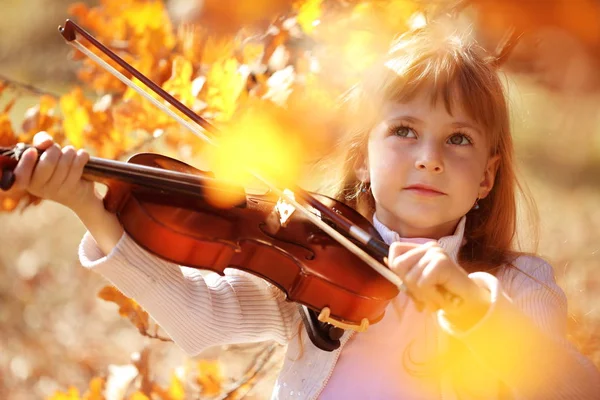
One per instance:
(460, 139)
(403, 131)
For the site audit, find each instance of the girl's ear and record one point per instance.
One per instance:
(489, 176)
(361, 169)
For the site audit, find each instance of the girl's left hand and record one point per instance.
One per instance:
(426, 269)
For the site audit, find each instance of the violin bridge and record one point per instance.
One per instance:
(280, 215)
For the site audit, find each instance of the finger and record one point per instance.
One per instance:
(42, 140)
(24, 169)
(61, 171)
(429, 283)
(399, 248)
(404, 262)
(76, 171)
(45, 168)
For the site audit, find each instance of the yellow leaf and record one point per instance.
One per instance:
(217, 48)
(127, 307)
(225, 84)
(76, 116)
(138, 396)
(72, 394)
(252, 52)
(180, 83)
(209, 377)
(309, 13)
(7, 134)
(95, 390)
(176, 388)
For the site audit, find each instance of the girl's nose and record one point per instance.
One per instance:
(430, 160)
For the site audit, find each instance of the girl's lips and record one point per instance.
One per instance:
(424, 191)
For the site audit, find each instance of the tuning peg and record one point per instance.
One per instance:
(7, 179)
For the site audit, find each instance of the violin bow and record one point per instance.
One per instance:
(69, 33)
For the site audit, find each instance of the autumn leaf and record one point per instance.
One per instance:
(209, 377)
(7, 134)
(40, 117)
(176, 388)
(8, 138)
(225, 83)
(309, 12)
(76, 112)
(226, 17)
(179, 84)
(217, 48)
(95, 390)
(138, 396)
(143, 30)
(71, 394)
(251, 52)
(128, 308)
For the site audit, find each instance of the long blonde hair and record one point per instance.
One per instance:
(458, 72)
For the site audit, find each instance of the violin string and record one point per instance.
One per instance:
(154, 176)
(357, 232)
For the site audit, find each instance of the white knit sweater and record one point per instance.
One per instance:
(519, 344)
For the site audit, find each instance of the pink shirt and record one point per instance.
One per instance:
(373, 361)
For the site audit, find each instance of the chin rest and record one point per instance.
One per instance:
(323, 335)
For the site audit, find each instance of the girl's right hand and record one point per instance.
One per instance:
(55, 175)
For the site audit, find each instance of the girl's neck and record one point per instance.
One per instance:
(406, 230)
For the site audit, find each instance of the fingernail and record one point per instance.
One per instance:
(41, 137)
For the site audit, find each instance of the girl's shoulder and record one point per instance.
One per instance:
(528, 272)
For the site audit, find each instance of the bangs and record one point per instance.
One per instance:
(451, 73)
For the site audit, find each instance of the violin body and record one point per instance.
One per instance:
(300, 259)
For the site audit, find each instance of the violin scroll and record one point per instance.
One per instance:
(9, 157)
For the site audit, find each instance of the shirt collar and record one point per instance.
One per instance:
(451, 244)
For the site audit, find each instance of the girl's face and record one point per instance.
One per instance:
(426, 167)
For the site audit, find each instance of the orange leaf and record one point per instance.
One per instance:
(225, 84)
(309, 13)
(127, 307)
(76, 112)
(176, 388)
(209, 377)
(40, 117)
(179, 84)
(7, 134)
(96, 389)
(72, 394)
(138, 396)
(217, 48)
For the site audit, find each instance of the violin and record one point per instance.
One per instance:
(321, 253)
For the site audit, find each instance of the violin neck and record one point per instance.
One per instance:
(106, 171)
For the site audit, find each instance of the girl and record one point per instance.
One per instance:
(429, 160)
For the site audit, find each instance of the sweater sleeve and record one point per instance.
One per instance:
(197, 310)
(522, 338)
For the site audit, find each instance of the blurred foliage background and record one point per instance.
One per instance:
(54, 331)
